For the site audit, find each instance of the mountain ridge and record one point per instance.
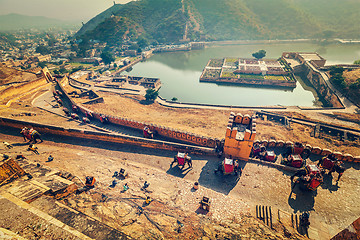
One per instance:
(170, 20)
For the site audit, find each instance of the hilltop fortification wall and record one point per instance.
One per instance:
(321, 87)
(308, 65)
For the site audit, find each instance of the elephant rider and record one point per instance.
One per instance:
(34, 135)
(147, 132)
(25, 133)
(237, 167)
(299, 173)
(148, 200)
(188, 159)
(339, 169)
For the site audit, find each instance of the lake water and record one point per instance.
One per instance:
(179, 73)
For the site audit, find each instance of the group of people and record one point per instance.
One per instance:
(332, 164)
(329, 163)
(258, 150)
(126, 187)
(32, 135)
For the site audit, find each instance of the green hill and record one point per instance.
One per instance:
(172, 20)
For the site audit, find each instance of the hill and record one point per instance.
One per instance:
(11, 22)
(172, 20)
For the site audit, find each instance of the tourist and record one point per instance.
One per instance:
(7, 145)
(50, 158)
(126, 187)
(33, 148)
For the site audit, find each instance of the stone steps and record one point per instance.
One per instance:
(44, 181)
(78, 220)
(29, 222)
(7, 234)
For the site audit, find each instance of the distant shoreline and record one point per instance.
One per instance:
(249, 42)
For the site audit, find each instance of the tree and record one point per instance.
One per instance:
(82, 47)
(42, 50)
(174, 99)
(357, 62)
(260, 54)
(355, 85)
(336, 70)
(63, 70)
(76, 69)
(337, 76)
(327, 34)
(142, 42)
(151, 94)
(134, 46)
(42, 64)
(107, 58)
(51, 41)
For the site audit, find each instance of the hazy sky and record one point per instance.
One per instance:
(82, 10)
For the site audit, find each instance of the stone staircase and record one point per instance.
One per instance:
(81, 222)
(27, 221)
(29, 209)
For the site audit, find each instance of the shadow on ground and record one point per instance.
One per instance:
(301, 200)
(177, 171)
(216, 181)
(328, 183)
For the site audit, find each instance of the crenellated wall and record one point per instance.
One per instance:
(160, 130)
(314, 150)
(106, 137)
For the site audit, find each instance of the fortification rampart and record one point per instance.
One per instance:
(106, 137)
(309, 64)
(320, 85)
(160, 130)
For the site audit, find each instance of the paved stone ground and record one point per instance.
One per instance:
(333, 208)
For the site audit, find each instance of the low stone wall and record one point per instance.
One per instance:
(107, 137)
(271, 83)
(351, 232)
(160, 130)
(314, 150)
(181, 105)
(321, 86)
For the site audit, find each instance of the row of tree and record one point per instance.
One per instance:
(339, 80)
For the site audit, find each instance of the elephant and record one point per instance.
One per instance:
(31, 135)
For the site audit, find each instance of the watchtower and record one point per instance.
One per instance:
(240, 136)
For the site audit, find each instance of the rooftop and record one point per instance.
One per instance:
(310, 56)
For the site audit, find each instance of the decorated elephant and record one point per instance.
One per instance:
(31, 135)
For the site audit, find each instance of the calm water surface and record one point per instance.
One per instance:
(179, 73)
